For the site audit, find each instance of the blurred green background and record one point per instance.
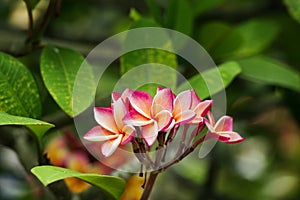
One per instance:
(263, 36)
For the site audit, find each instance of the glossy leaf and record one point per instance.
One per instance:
(36, 126)
(201, 6)
(228, 71)
(157, 64)
(214, 37)
(293, 8)
(179, 16)
(59, 68)
(248, 38)
(18, 91)
(113, 186)
(155, 10)
(270, 71)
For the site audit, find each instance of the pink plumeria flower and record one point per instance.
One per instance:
(124, 96)
(111, 130)
(188, 108)
(223, 129)
(153, 114)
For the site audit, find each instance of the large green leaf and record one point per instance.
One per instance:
(113, 186)
(201, 6)
(59, 68)
(155, 10)
(294, 8)
(179, 16)
(218, 37)
(37, 126)
(18, 91)
(209, 79)
(152, 59)
(248, 38)
(270, 71)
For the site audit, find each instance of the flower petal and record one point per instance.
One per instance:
(128, 134)
(211, 118)
(163, 119)
(234, 137)
(184, 117)
(163, 100)
(141, 102)
(115, 96)
(182, 102)
(105, 118)
(201, 110)
(194, 98)
(136, 119)
(109, 147)
(99, 134)
(225, 123)
(119, 113)
(126, 94)
(150, 132)
(217, 136)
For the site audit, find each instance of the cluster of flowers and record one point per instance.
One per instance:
(136, 112)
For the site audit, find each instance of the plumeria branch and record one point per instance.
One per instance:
(153, 123)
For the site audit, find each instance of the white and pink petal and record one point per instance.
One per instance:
(150, 132)
(105, 118)
(195, 100)
(136, 119)
(234, 137)
(110, 146)
(128, 134)
(119, 111)
(141, 102)
(163, 119)
(99, 134)
(182, 102)
(225, 123)
(184, 117)
(163, 100)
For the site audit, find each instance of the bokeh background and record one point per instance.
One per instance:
(265, 166)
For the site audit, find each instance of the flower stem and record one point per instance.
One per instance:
(149, 185)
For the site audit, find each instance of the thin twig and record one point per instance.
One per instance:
(149, 185)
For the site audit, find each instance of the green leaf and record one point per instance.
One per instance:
(248, 38)
(180, 17)
(134, 14)
(36, 126)
(31, 3)
(270, 71)
(59, 68)
(201, 6)
(152, 59)
(209, 79)
(113, 186)
(155, 10)
(18, 91)
(218, 37)
(294, 8)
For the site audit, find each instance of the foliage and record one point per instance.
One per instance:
(112, 185)
(255, 47)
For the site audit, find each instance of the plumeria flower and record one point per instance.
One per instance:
(152, 114)
(124, 96)
(223, 129)
(188, 108)
(112, 130)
